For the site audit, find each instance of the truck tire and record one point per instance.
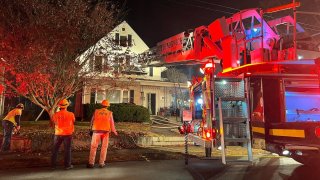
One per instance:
(310, 160)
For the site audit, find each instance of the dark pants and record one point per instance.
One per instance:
(58, 140)
(7, 133)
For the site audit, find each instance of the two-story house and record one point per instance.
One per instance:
(140, 85)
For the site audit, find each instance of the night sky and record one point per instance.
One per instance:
(156, 20)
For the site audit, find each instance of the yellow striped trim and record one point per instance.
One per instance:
(287, 132)
(258, 130)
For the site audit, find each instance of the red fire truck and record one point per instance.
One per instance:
(265, 70)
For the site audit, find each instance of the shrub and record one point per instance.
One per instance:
(121, 112)
(88, 110)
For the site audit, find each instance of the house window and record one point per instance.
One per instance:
(113, 96)
(91, 64)
(131, 96)
(151, 71)
(98, 63)
(128, 57)
(100, 96)
(129, 40)
(117, 38)
(123, 41)
(93, 96)
(125, 98)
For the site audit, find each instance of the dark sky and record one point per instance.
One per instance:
(156, 20)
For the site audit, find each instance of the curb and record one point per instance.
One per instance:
(148, 141)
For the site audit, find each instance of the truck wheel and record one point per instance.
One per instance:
(311, 160)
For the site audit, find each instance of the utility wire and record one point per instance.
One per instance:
(202, 7)
(234, 9)
(227, 7)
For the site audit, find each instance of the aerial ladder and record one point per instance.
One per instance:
(239, 45)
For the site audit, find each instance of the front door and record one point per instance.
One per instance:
(152, 103)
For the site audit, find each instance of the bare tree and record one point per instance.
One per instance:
(41, 42)
(177, 77)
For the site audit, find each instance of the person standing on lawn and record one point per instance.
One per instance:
(11, 123)
(64, 127)
(102, 124)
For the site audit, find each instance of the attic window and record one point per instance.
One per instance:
(123, 41)
(151, 71)
(123, 29)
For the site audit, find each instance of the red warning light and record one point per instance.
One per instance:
(317, 132)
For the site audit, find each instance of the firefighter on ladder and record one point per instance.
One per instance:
(101, 124)
(11, 124)
(257, 114)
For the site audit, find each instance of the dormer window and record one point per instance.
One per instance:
(123, 41)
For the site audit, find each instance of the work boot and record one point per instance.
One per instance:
(69, 167)
(90, 166)
(102, 165)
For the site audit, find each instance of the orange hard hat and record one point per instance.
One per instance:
(63, 103)
(105, 103)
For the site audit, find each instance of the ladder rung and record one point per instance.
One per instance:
(232, 120)
(233, 99)
(236, 140)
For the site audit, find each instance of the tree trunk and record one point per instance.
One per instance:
(51, 112)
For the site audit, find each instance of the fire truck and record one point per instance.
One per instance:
(260, 84)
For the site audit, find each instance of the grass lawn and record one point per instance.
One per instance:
(127, 127)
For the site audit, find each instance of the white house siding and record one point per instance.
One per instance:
(156, 73)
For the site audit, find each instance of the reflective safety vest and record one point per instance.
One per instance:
(10, 116)
(64, 122)
(102, 120)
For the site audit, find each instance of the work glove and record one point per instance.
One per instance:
(16, 130)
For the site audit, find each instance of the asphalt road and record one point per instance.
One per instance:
(264, 168)
(277, 168)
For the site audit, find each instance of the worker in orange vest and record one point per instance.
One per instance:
(101, 124)
(64, 127)
(11, 123)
